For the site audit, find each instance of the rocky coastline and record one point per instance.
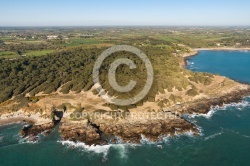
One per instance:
(224, 49)
(106, 131)
(126, 132)
(100, 132)
(203, 106)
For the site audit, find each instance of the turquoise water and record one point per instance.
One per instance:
(224, 139)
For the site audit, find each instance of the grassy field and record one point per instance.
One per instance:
(38, 53)
(159, 37)
(8, 54)
(78, 42)
(33, 41)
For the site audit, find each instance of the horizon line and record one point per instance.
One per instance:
(2, 26)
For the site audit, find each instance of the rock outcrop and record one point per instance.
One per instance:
(33, 130)
(101, 131)
(204, 105)
(132, 132)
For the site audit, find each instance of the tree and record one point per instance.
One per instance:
(1, 42)
(19, 52)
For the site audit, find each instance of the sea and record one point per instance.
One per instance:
(224, 137)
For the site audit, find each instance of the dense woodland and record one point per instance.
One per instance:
(72, 71)
(66, 62)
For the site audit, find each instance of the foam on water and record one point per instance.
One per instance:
(166, 138)
(189, 62)
(238, 106)
(145, 140)
(26, 140)
(213, 109)
(191, 117)
(213, 136)
(207, 115)
(122, 149)
(92, 148)
(238, 133)
(187, 133)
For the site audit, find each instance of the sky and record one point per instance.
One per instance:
(125, 12)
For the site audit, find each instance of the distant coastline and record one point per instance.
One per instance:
(195, 51)
(224, 49)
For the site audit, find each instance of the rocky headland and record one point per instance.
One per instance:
(84, 117)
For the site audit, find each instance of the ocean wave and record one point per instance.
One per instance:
(246, 136)
(207, 115)
(189, 62)
(187, 133)
(212, 136)
(238, 106)
(166, 139)
(92, 148)
(213, 109)
(145, 140)
(178, 135)
(122, 149)
(26, 140)
(238, 133)
(1, 138)
(200, 130)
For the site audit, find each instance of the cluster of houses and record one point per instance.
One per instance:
(51, 37)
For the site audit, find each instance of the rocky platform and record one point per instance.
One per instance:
(125, 130)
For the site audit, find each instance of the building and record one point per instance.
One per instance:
(51, 37)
